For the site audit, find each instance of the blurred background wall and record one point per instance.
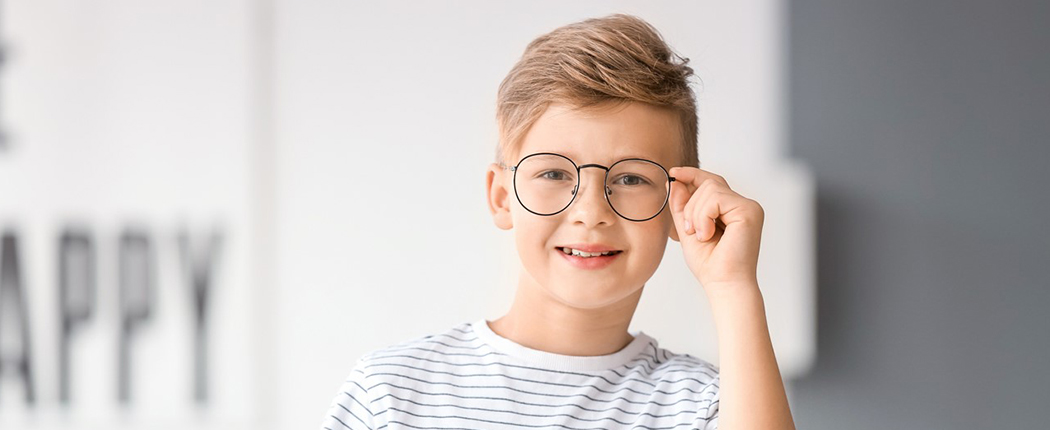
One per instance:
(126, 208)
(926, 126)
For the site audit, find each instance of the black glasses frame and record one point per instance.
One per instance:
(579, 177)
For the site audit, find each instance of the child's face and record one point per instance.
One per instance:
(602, 136)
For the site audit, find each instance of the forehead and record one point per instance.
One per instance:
(606, 134)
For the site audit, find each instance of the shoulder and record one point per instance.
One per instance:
(670, 359)
(688, 378)
(417, 363)
(682, 376)
(450, 343)
(663, 365)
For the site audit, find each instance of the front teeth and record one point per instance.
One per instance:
(579, 253)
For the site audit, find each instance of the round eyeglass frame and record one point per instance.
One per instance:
(605, 180)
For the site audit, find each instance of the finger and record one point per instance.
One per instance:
(694, 176)
(699, 217)
(680, 194)
(708, 214)
(687, 212)
(694, 201)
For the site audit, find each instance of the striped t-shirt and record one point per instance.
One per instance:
(469, 377)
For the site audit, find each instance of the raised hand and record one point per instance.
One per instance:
(719, 229)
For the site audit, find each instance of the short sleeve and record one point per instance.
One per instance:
(351, 409)
(707, 419)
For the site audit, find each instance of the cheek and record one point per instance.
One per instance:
(533, 236)
(650, 244)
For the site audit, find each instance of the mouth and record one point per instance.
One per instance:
(588, 260)
(579, 253)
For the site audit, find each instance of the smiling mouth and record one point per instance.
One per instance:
(570, 251)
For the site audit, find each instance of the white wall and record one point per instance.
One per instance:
(125, 114)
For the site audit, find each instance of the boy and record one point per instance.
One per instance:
(588, 120)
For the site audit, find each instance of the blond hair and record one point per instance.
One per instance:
(614, 59)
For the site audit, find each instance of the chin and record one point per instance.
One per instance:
(598, 296)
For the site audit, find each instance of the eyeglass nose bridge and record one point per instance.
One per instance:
(579, 178)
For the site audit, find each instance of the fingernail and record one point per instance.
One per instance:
(688, 225)
(698, 237)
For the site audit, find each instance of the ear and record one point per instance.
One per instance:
(498, 196)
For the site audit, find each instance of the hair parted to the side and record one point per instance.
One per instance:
(613, 59)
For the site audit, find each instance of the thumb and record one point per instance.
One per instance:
(677, 201)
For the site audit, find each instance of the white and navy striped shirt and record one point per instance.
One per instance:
(469, 377)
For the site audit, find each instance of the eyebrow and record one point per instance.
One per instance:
(574, 158)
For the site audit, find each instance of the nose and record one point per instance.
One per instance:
(591, 208)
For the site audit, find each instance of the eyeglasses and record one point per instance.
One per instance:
(546, 183)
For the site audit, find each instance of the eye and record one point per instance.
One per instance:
(633, 180)
(555, 175)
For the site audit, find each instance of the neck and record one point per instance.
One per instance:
(540, 321)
